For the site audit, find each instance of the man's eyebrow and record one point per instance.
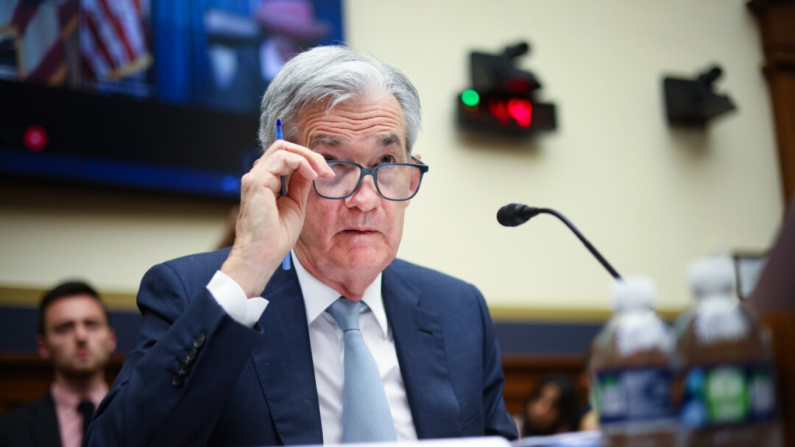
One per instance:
(388, 140)
(325, 140)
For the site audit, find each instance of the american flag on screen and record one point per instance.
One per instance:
(40, 30)
(106, 37)
(113, 43)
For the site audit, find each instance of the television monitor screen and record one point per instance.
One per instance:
(152, 94)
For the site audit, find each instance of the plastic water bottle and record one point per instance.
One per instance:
(723, 358)
(629, 368)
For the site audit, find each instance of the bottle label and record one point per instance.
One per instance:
(728, 394)
(633, 395)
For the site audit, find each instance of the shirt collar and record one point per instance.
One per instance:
(318, 296)
(65, 398)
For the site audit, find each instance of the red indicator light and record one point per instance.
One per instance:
(522, 111)
(35, 138)
(498, 109)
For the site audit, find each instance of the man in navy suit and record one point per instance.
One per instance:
(239, 348)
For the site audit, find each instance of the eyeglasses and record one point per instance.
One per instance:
(394, 181)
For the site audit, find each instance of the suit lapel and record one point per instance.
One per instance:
(45, 426)
(284, 365)
(419, 343)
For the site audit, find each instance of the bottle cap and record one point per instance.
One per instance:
(633, 292)
(712, 276)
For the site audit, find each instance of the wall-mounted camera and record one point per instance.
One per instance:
(694, 102)
(503, 97)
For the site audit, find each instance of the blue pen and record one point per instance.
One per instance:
(283, 191)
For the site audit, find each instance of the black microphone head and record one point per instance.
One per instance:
(515, 214)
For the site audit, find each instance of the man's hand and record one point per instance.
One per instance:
(268, 225)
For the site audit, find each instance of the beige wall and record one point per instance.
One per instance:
(648, 197)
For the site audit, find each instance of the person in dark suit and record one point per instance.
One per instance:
(340, 341)
(75, 336)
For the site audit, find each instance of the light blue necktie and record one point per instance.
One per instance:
(365, 410)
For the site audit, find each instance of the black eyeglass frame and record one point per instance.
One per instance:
(374, 172)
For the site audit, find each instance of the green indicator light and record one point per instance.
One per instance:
(470, 98)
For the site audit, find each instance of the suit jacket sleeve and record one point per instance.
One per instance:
(174, 384)
(498, 421)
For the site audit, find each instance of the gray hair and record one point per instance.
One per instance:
(333, 75)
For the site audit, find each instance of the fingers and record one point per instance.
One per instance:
(315, 160)
(287, 164)
(268, 225)
(283, 158)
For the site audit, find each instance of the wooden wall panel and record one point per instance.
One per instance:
(782, 88)
(774, 301)
(782, 325)
(774, 298)
(523, 372)
(777, 27)
(26, 377)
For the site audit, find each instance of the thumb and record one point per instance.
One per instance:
(298, 191)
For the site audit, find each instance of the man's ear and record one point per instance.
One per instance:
(111, 340)
(41, 347)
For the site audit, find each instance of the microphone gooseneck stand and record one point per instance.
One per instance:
(515, 214)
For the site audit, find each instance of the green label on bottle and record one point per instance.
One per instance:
(728, 394)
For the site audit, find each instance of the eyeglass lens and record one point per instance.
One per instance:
(396, 182)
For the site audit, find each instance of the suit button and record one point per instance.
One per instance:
(199, 341)
(184, 368)
(177, 380)
(191, 354)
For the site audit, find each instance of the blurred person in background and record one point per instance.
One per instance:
(75, 336)
(551, 408)
(589, 419)
(248, 42)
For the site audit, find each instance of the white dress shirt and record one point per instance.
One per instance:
(326, 341)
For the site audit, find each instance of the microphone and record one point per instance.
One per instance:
(515, 214)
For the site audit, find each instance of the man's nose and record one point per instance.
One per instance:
(366, 197)
(81, 334)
